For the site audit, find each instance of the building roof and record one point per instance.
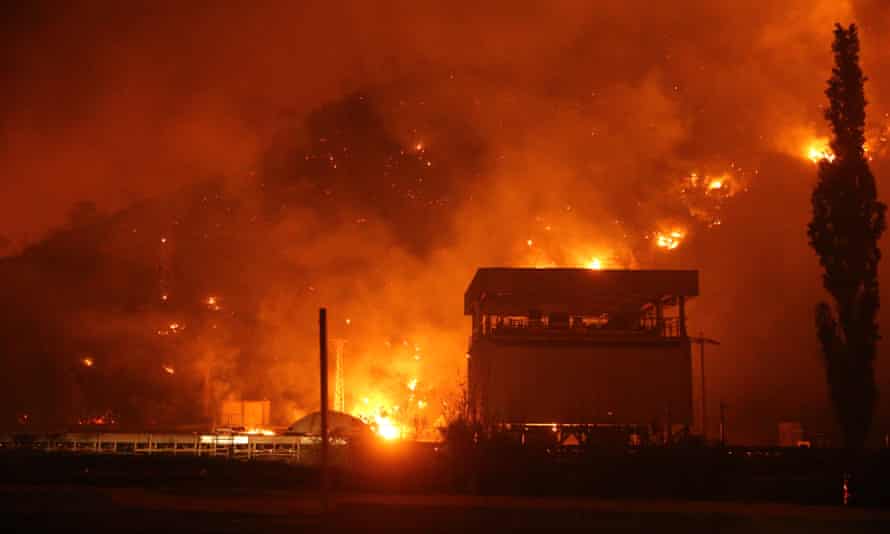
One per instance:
(518, 290)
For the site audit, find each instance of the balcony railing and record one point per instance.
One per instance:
(647, 327)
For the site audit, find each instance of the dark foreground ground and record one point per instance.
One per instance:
(416, 490)
(59, 508)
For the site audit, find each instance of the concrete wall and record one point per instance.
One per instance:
(581, 383)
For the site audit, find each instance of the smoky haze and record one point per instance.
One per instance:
(368, 157)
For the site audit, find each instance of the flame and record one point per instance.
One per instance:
(386, 428)
(669, 241)
(595, 264)
(168, 369)
(818, 150)
(715, 184)
(412, 384)
(529, 242)
(87, 361)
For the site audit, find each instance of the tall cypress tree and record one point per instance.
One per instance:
(848, 220)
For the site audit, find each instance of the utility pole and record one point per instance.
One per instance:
(702, 340)
(323, 353)
(722, 424)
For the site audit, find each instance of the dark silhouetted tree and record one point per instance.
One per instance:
(847, 222)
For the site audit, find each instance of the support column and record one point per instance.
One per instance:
(682, 302)
(659, 317)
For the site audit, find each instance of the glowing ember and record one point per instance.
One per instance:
(212, 302)
(669, 241)
(529, 242)
(418, 147)
(714, 184)
(818, 150)
(87, 361)
(412, 384)
(348, 322)
(164, 297)
(172, 328)
(168, 369)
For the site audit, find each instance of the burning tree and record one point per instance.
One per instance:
(847, 222)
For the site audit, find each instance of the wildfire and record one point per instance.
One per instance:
(818, 150)
(669, 241)
(715, 184)
(412, 384)
(87, 361)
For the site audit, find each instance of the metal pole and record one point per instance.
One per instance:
(323, 353)
(722, 424)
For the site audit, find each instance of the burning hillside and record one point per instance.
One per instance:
(176, 219)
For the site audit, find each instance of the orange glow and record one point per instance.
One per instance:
(87, 361)
(818, 150)
(412, 384)
(168, 369)
(529, 242)
(259, 432)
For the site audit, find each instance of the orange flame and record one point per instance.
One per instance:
(818, 150)
(669, 240)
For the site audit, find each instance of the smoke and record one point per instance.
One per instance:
(369, 158)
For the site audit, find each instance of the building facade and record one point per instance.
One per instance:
(579, 347)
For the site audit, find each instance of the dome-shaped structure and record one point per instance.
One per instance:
(340, 425)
